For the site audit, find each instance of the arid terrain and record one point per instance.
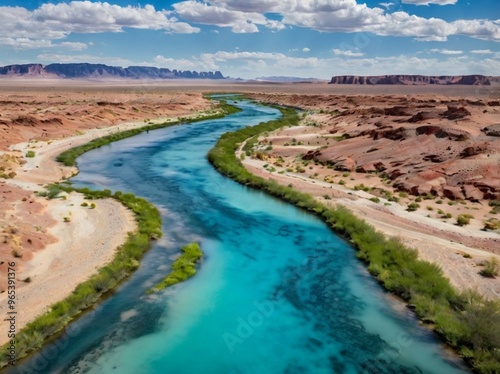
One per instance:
(437, 148)
(424, 168)
(57, 243)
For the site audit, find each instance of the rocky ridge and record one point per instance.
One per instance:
(426, 146)
(475, 80)
(86, 70)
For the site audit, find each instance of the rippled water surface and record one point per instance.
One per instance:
(277, 291)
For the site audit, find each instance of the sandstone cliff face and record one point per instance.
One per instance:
(85, 70)
(476, 80)
(28, 69)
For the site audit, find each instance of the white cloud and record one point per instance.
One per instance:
(62, 58)
(56, 21)
(251, 64)
(427, 2)
(446, 51)
(202, 63)
(225, 56)
(387, 5)
(27, 44)
(93, 17)
(335, 16)
(76, 46)
(433, 38)
(306, 50)
(347, 53)
(482, 52)
(239, 21)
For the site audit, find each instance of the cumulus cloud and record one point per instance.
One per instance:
(306, 50)
(334, 16)
(251, 64)
(201, 63)
(240, 21)
(347, 53)
(76, 46)
(427, 2)
(432, 38)
(63, 58)
(482, 51)
(96, 17)
(244, 55)
(386, 5)
(56, 21)
(446, 51)
(27, 44)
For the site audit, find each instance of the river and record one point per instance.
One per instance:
(276, 292)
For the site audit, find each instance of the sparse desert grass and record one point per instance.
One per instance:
(464, 219)
(490, 269)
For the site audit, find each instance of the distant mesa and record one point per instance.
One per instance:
(287, 79)
(414, 80)
(85, 70)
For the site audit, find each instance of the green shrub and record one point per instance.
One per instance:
(490, 269)
(30, 154)
(183, 268)
(463, 219)
(412, 207)
(495, 204)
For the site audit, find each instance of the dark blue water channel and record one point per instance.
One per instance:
(276, 292)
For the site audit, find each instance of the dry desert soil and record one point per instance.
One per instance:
(373, 149)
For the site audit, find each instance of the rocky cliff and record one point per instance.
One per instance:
(85, 70)
(476, 80)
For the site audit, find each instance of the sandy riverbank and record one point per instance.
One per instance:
(57, 244)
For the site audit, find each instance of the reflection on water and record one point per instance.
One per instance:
(277, 292)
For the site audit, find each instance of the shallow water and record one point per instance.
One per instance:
(276, 292)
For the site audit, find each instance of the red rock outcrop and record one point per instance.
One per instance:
(475, 80)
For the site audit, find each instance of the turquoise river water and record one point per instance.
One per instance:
(276, 292)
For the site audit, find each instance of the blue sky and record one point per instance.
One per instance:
(252, 38)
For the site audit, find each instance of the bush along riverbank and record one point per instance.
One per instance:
(68, 158)
(32, 337)
(86, 294)
(183, 267)
(465, 320)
